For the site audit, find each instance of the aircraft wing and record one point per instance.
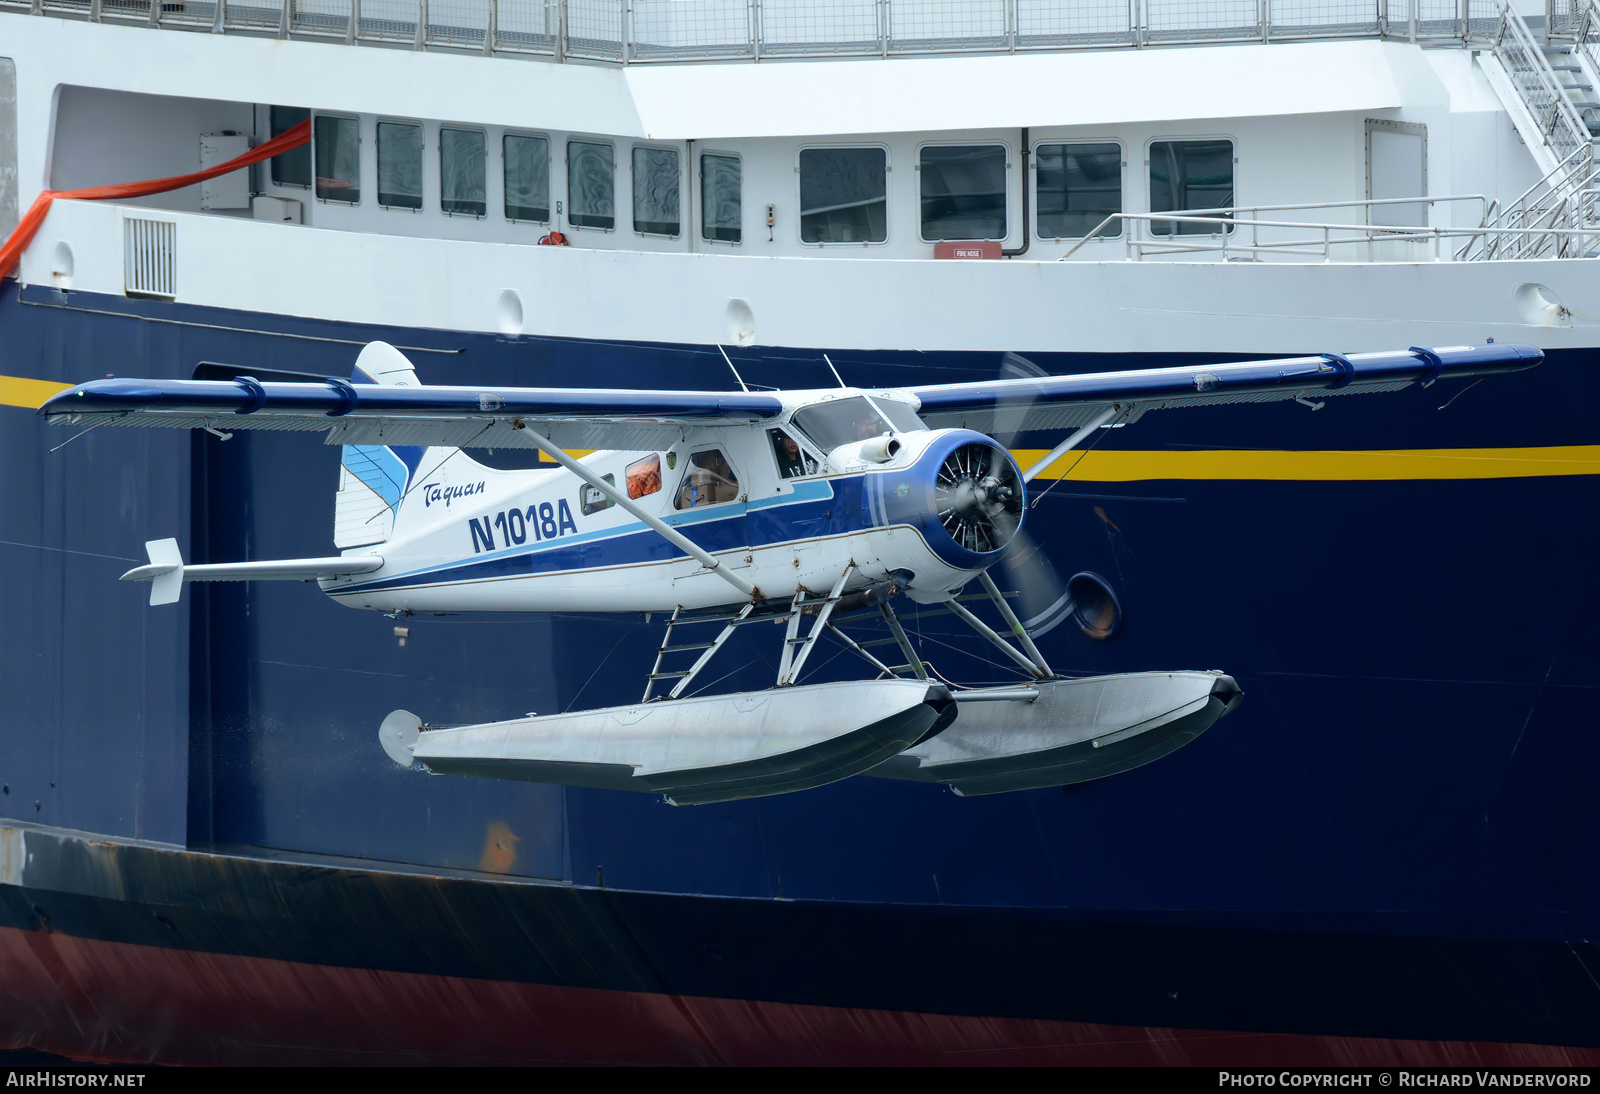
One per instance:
(457, 417)
(1067, 402)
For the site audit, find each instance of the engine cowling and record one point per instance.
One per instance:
(965, 495)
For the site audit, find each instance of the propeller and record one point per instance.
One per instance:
(978, 498)
(1043, 601)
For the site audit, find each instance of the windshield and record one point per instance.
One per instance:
(901, 416)
(843, 421)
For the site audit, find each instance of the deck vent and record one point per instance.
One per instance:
(147, 257)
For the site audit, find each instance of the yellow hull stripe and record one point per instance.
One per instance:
(15, 391)
(1355, 466)
(1106, 466)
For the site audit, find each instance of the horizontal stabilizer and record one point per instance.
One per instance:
(167, 573)
(705, 749)
(1058, 732)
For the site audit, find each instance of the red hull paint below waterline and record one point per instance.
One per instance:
(119, 1003)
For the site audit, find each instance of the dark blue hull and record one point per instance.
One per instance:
(1390, 839)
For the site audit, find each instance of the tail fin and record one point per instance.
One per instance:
(374, 477)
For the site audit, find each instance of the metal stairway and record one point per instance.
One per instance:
(1548, 88)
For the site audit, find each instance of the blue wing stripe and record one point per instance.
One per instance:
(226, 397)
(1329, 372)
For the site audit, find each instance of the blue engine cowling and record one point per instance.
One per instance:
(965, 495)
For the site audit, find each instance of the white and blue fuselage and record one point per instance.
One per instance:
(471, 538)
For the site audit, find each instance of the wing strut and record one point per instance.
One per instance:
(982, 628)
(1014, 623)
(667, 532)
(1069, 444)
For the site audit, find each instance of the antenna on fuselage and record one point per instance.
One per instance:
(835, 371)
(736, 375)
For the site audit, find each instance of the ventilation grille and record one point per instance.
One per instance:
(147, 257)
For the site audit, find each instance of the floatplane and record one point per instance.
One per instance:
(721, 509)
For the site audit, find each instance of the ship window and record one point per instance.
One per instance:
(1078, 186)
(844, 195)
(591, 171)
(338, 158)
(527, 178)
(655, 191)
(963, 191)
(400, 165)
(291, 168)
(708, 480)
(1190, 175)
(462, 182)
(721, 198)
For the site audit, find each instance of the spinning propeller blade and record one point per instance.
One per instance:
(1042, 601)
(1008, 417)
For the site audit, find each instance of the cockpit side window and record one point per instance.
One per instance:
(794, 462)
(708, 480)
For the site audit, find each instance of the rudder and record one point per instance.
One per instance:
(374, 477)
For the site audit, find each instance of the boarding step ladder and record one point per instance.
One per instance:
(797, 647)
(706, 650)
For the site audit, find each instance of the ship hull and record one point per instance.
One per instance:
(1370, 862)
(130, 953)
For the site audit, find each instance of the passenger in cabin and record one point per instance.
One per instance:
(792, 463)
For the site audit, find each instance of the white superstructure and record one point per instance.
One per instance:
(798, 192)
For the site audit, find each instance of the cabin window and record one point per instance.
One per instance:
(643, 476)
(400, 165)
(1190, 175)
(527, 163)
(591, 174)
(1078, 186)
(794, 461)
(338, 158)
(963, 190)
(291, 168)
(591, 500)
(721, 198)
(655, 191)
(463, 184)
(708, 480)
(844, 195)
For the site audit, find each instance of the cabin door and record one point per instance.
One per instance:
(709, 505)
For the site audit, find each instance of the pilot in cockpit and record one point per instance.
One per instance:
(792, 462)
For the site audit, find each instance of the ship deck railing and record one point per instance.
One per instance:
(1236, 234)
(642, 31)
